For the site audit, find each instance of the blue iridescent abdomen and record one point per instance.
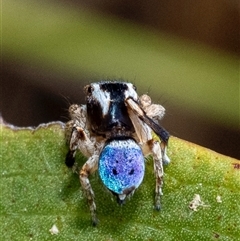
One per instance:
(121, 166)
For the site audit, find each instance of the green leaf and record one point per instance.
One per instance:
(38, 191)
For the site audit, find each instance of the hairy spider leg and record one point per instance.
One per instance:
(80, 140)
(88, 168)
(158, 170)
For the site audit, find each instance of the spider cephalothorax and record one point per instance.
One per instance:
(106, 108)
(116, 129)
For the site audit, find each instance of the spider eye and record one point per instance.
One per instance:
(89, 89)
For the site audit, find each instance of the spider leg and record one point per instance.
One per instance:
(158, 171)
(69, 161)
(154, 111)
(76, 134)
(153, 139)
(77, 114)
(80, 141)
(160, 131)
(78, 138)
(166, 160)
(88, 168)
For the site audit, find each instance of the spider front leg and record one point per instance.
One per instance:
(82, 142)
(77, 134)
(80, 139)
(70, 157)
(72, 134)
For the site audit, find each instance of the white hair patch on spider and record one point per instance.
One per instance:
(130, 92)
(102, 96)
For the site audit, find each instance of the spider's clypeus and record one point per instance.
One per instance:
(115, 130)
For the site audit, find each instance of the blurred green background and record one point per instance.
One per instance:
(185, 54)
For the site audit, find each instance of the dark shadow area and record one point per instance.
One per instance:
(26, 104)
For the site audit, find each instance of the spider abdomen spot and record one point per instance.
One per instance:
(121, 166)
